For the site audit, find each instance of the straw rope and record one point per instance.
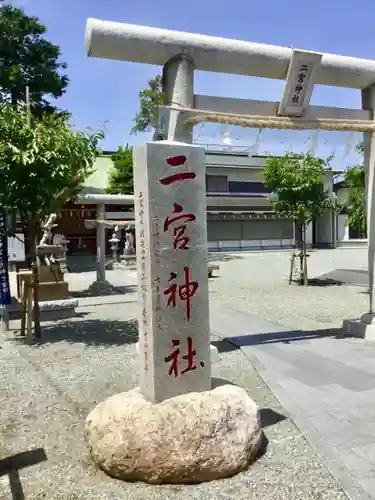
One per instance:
(114, 223)
(276, 122)
(107, 222)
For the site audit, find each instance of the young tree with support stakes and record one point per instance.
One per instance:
(42, 166)
(296, 181)
(120, 179)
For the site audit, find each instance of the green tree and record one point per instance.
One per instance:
(120, 179)
(360, 148)
(149, 101)
(355, 204)
(28, 59)
(296, 181)
(42, 166)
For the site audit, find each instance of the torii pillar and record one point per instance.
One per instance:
(178, 89)
(365, 327)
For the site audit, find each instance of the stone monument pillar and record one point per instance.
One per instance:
(170, 212)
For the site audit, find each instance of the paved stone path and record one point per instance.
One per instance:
(325, 382)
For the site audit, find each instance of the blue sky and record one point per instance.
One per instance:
(106, 91)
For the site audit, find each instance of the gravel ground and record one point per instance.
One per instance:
(258, 283)
(47, 391)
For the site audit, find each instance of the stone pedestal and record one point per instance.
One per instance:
(190, 438)
(54, 300)
(363, 328)
(51, 284)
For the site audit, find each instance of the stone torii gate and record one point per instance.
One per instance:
(170, 212)
(181, 53)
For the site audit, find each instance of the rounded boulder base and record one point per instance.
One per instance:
(191, 438)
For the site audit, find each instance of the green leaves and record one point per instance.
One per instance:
(120, 179)
(41, 167)
(149, 100)
(355, 205)
(298, 181)
(28, 59)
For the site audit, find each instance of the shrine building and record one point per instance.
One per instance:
(239, 212)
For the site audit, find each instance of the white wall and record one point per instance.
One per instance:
(309, 234)
(16, 248)
(119, 215)
(233, 160)
(237, 174)
(342, 228)
(325, 230)
(342, 195)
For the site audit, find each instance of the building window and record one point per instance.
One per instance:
(216, 184)
(241, 187)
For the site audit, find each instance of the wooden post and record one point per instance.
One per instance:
(292, 263)
(26, 303)
(305, 280)
(29, 309)
(23, 306)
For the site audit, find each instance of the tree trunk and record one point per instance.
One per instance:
(35, 282)
(14, 96)
(299, 234)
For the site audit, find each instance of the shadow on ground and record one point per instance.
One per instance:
(319, 282)
(229, 344)
(270, 417)
(349, 277)
(92, 332)
(46, 316)
(324, 282)
(81, 263)
(11, 466)
(100, 289)
(85, 263)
